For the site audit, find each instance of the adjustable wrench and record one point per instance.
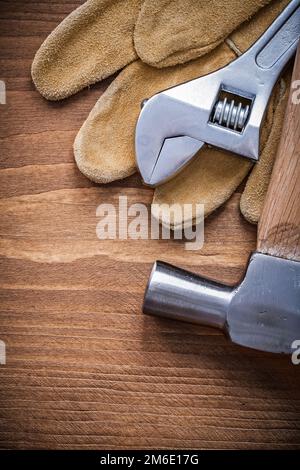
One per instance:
(224, 108)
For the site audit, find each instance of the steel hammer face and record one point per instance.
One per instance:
(262, 312)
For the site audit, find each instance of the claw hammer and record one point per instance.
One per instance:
(263, 310)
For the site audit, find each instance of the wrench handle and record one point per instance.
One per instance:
(280, 44)
(279, 225)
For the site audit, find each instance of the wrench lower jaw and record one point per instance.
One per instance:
(175, 154)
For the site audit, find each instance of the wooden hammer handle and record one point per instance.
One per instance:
(279, 225)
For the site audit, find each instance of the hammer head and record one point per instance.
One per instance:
(262, 312)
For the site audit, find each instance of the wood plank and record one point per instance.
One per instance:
(85, 369)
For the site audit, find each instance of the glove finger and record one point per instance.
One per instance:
(90, 44)
(104, 147)
(253, 197)
(210, 179)
(169, 33)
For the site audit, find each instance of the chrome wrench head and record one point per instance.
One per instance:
(224, 109)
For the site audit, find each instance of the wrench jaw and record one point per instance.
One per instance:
(160, 151)
(149, 137)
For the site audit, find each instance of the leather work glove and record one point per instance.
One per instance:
(177, 41)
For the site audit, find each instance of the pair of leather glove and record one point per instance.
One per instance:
(159, 44)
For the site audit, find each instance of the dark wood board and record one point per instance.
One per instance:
(85, 369)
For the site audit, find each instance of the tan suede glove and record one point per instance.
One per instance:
(97, 39)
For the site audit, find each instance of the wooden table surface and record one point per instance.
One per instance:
(85, 369)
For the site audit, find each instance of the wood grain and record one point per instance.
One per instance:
(279, 227)
(85, 369)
